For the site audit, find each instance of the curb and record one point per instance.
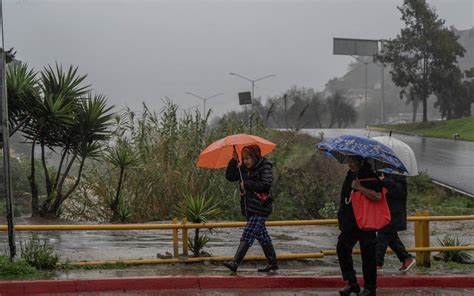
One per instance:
(400, 132)
(219, 282)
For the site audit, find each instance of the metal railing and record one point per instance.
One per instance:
(421, 219)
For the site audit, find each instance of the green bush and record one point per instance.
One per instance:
(423, 194)
(329, 211)
(15, 269)
(199, 209)
(454, 256)
(39, 254)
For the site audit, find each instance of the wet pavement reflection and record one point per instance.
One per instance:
(447, 161)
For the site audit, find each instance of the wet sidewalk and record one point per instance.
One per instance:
(295, 292)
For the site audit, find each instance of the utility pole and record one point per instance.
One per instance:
(286, 109)
(6, 145)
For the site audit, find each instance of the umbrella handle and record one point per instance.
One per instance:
(240, 171)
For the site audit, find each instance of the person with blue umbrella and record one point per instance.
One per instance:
(363, 157)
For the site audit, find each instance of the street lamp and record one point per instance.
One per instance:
(382, 48)
(252, 80)
(5, 139)
(204, 99)
(366, 74)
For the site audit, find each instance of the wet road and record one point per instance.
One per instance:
(447, 161)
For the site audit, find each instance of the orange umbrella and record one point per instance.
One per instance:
(218, 154)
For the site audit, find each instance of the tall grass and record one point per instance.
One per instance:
(168, 144)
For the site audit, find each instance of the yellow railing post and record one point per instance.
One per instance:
(175, 240)
(418, 239)
(425, 226)
(185, 237)
(422, 239)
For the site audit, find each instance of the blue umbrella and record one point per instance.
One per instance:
(377, 154)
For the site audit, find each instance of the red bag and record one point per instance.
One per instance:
(370, 214)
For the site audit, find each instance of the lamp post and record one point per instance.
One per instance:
(204, 99)
(366, 78)
(6, 144)
(252, 81)
(382, 107)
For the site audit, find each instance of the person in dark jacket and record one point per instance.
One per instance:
(388, 236)
(256, 202)
(362, 178)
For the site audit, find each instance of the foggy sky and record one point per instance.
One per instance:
(136, 51)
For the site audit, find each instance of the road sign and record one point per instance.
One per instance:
(245, 98)
(355, 47)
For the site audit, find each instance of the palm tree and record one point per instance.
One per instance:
(80, 141)
(123, 157)
(23, 89)
(59, 114)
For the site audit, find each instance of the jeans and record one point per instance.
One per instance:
(345, 245)
(390, 239)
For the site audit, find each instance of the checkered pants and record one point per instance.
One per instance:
(256, 229)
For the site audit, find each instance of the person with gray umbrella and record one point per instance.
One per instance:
(397, 194)
(388, 236)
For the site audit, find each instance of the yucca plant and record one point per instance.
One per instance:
(199, 209)
(454, 256)
(123, 157)
(23, 90)
(62, 116)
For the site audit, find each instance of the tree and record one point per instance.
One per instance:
(341, 111)
(423, 50)
(122, 157)
(62, 116)
(22, 92)
(9, 55)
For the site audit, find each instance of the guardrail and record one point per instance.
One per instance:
(421, 219)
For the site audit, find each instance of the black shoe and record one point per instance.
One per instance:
(270, 254)
(239, 256)
(350, 288)
(231, 265)
(269, 268)
(368, 292)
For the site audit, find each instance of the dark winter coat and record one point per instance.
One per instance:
(346, 218)
(397, 202)
(258, 179)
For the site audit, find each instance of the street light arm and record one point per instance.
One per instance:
(268, 76)
(216, 95)
(235, 74)
(194, 95)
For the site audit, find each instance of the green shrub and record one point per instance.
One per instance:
(329, 211)
(199, 209)
(423, 194)
(454, 256)
(39, 254)
(196, 245)
(15, 269)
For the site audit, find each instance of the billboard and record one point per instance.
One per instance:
(245, 98)
(355, 47)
